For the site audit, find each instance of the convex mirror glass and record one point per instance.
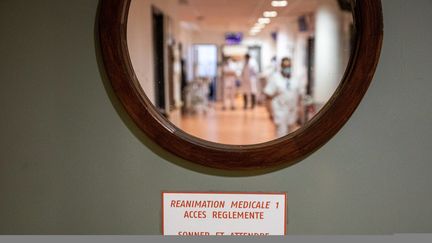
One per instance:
(240, 72)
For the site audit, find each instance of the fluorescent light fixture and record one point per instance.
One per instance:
(279, 4)
(270, 14)
(264, 20)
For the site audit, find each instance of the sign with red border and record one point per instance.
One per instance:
(224, 214)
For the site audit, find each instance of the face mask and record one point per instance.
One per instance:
(286, 71)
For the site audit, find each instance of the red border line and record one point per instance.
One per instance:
(230, 193)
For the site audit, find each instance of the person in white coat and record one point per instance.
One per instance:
(284, 97)
(249, 82)
(229, 83)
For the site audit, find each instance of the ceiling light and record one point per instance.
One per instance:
(270, 14)
(264, 20)
(279, 4)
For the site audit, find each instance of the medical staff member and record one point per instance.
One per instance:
(249, 81)
(229, 78)
(284, 97)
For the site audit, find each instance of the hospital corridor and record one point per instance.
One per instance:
(240, 72)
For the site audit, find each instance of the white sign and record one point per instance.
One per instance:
(224, 214)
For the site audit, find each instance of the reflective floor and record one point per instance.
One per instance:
(234, 127)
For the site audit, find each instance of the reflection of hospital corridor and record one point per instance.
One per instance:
(228, 126)
(179, 58)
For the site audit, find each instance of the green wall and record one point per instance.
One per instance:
(72, 162)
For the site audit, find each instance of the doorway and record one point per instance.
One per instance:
(205, 64)
(159, 59)
(255, 53)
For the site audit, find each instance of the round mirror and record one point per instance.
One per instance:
(240, 84)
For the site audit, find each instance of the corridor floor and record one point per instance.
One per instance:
(233, 127)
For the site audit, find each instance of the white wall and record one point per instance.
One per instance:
(286, 40)
(300, 61)
(328, 52)
(73, 162)
(139, 35)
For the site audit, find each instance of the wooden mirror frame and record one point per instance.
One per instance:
(286, 151)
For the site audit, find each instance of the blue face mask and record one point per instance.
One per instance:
(286, 71)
